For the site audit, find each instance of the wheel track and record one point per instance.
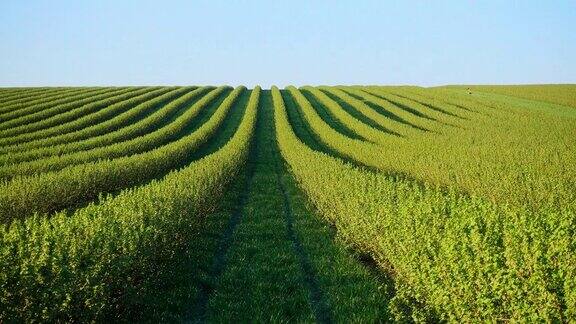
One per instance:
(317, 299)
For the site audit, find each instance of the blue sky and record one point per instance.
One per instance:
(127, 42)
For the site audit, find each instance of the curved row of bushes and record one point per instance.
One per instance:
(406, 116)
(364, 130)
(9, 94)
(135, 138)
(95, 262)
(71, 115)
(419, 109)
(49, 107)
(387, 122)
(456, 257)
(106, 120)
(24, 98)
(54, 191)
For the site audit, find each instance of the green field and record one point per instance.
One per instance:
(311, 204)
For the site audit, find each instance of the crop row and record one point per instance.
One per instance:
(422, 111)
(113, 250)
(9, 94)
(365, 131)
(106, 120)
(364, 152)
(46, 107)
(506, 166)
(390, 122)
(417, 95)
(454, 257)
(75, 185)
(86, 139)
(138, 124)
(23, 98)
(401, 114)
(69, 115)
(135, 138)
(412, 94)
